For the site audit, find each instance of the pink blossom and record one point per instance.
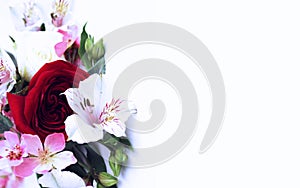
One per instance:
(9, 180)
(12, 150)
(44, 158)
(7, 75)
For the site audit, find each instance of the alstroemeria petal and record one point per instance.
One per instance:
(59, 179)
(26, 168)
(33, 143)
(55, 142)
(90, 88)
(11, 138)
(63, 159)
(81, 132)
(78, 104)
(60, 48)
(116, 128)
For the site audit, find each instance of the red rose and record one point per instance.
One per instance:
(43, 110)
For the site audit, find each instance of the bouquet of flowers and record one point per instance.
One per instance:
(57, 115)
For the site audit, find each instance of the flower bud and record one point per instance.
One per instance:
(88, 45)
(107, 180)
(114, 165)
(98, 50)
(120, 156)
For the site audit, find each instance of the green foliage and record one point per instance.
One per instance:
(95, 160)
(5, 124)
(83, 38)
(113, 142)
(92, 55)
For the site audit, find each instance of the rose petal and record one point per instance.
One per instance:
(63, 159)
(18, 104)
(55, 142)
(33, 143)
(80, 132)
(26, 168)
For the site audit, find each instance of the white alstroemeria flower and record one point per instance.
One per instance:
(60, 179)
(26, 15)
(95, 111)
(7, 75)
(34, 49)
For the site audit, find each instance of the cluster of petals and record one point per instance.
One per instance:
(27, 155)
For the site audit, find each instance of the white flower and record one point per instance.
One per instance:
(26, 15)
(7, 75)
(61, 179)
(96, 111)
(34, 49)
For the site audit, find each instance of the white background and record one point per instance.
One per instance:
(256, 44)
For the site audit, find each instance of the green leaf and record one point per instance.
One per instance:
(77, 169)
(96, 161)
(113, 142)
(99, 185)
(83, 38)
(43, 27)
(12, 39)
(5, 124)
(125, 142)
(107, 180)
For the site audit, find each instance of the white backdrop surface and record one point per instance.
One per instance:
(256, 44)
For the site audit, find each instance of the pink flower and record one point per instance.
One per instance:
(12, 150)
(44, 159)
(69, 37)
(7, 75)
(9, 180)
